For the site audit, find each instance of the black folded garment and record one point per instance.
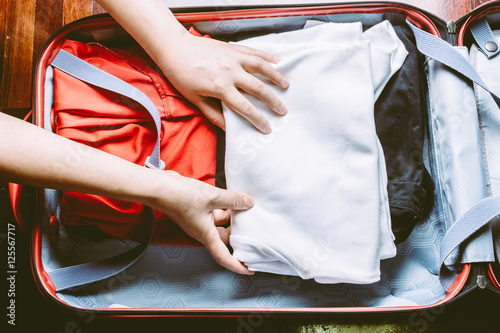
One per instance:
(400, 113)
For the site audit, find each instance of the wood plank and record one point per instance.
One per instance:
(451, 10)
(97, 8)
(48, 18)
(18, 51)
(3, 26)
(18, 113)
(76, 9)
(476, 3)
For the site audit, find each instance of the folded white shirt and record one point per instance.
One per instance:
(319, 179)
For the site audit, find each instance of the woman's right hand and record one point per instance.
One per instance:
(200, 210)
(205, 69)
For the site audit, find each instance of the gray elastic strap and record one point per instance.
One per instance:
(78, 275)
(443, 52)
(464, 227)
(484, 37)
(48, 98)
(52, 197)
(82, 70)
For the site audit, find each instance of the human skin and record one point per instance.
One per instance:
(36, 157)
(204, 71)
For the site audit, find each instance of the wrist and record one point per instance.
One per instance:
(167, 56)
(155, 188)
(150, 23)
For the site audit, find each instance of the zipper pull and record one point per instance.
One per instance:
(481, 281)
(452, 27)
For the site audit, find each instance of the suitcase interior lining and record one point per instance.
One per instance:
(174, 276)
(489, 119)
(488, 112)
(456, 144)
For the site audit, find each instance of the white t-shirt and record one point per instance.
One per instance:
(319, 179)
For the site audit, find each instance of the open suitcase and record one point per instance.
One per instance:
(177, 280)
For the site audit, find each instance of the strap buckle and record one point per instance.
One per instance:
(150, 165)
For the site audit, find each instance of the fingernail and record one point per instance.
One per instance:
(276, 59)
(283, 109)
(248, 201)
(285, 83)
(266, 129)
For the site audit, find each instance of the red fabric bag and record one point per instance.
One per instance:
(115, 124)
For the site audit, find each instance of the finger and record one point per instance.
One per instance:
(221, 217)
(239, 104)
(224, 199)
(210, 107)
(223, 235)
(262, 67)
(258, 53)
(221, 254)
(256, 87)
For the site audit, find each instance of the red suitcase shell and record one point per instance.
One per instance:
(198, 284)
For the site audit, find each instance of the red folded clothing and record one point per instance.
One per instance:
(118, 125)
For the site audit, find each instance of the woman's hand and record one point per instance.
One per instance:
(200, 210)
(203, 69)
(36, 157)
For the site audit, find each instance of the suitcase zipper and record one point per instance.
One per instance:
(481, 281)
(451, 27)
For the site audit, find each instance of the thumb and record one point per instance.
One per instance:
(210, 107)
(225, 199)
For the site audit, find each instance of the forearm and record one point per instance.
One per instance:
(150, 22)
(33, 156)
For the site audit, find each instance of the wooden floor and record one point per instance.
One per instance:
(26, 24)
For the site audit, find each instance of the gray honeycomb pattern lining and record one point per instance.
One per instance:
(175, 276)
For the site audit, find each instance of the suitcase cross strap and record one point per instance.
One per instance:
(464, 227)
(82, 274)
